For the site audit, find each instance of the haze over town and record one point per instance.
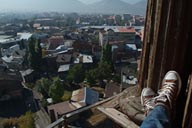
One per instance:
(80, 6)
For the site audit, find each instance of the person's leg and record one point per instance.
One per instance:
(157, 118)
(159, 108)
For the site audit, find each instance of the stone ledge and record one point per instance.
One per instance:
(130, 104)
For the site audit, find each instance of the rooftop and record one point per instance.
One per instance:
(3, 37)
(9, 40)
(78, 95)
(109, 27)
(85, 96)
(83, 59)
(26, 72)
(64, 68)
(64, 58)
(24, 36)
(131, 46)
(57, 38)
(61, 108)
(111, 89)
(55, 41)
(13, 59)
(125, 30)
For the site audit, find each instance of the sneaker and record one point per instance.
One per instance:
(169, 91)
(147, 100)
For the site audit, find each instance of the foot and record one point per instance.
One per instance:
(169, 91)
(147, 100)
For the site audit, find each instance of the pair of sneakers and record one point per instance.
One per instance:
(166, 96)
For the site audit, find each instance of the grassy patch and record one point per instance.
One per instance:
(67, 96)
(24, 121)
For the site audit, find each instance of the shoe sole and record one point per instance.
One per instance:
(179, 80)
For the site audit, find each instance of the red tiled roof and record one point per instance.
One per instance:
(126, 30)
(56, 39)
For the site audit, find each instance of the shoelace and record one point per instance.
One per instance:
(168, 90)
(148, 102)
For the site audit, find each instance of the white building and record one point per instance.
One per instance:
(82, 58)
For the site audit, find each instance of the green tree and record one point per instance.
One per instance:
(76, 74)
(105, 67)
(43, 85)
(38, 51)
(56, 90)
(117, 78)
(31, 57)
(91, 76)
(104, 70)
(106, 54)
(35, 54)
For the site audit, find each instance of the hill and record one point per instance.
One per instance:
(118, 6)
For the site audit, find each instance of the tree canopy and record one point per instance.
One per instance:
(43, 86)
(91, 76)
(35, 54)
(104, 69)
(76, 74)
(106, 54)
(56, 90)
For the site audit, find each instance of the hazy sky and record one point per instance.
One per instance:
(2, 2)
(91, 1)
(27, 5)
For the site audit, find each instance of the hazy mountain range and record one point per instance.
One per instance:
(103, 6)
(119, 6)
